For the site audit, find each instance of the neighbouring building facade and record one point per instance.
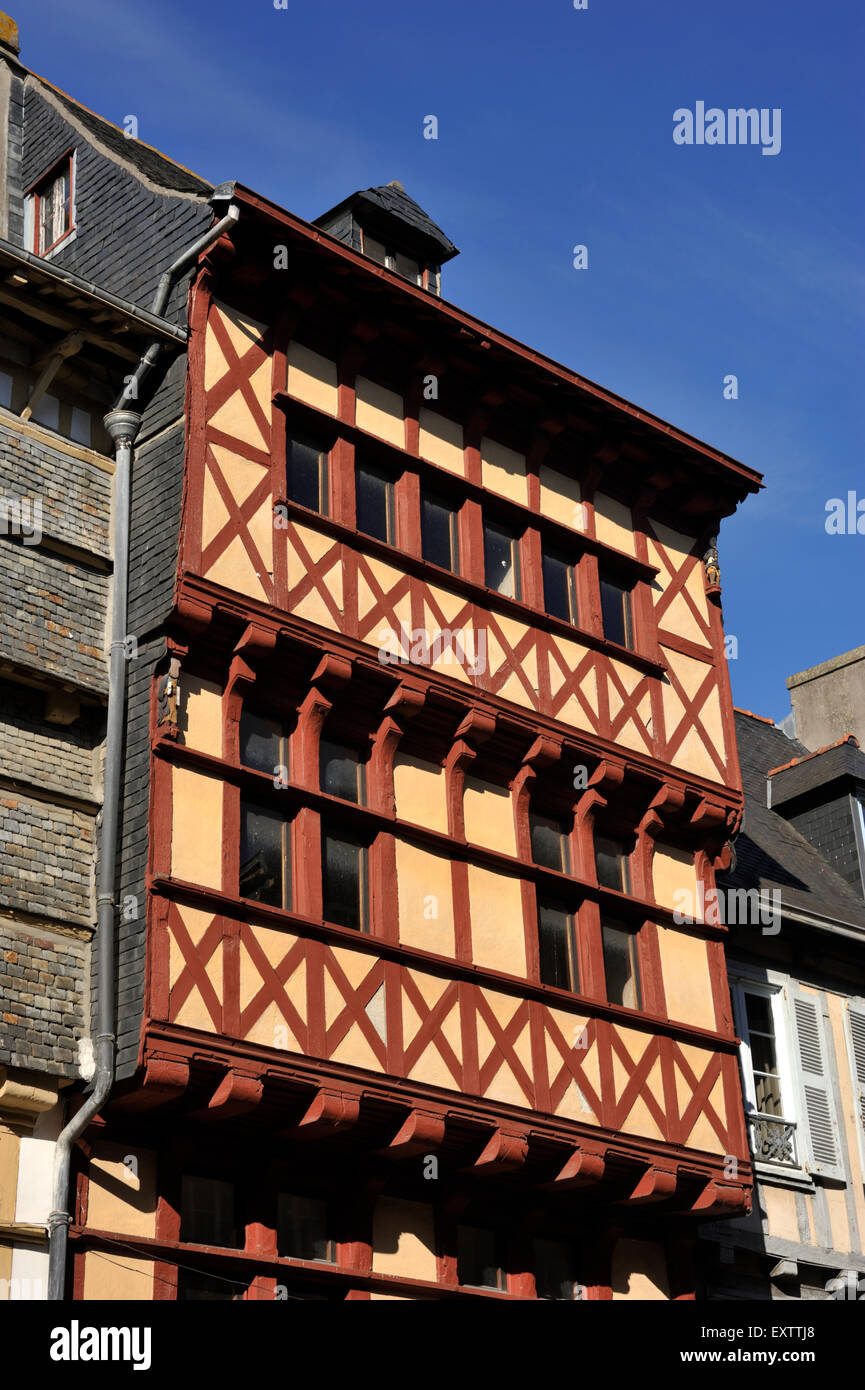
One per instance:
(797, 976)
(88, 223)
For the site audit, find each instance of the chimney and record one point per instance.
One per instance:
(8, 36)
(829, 700)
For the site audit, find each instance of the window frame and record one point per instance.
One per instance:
(364, 463)
(557, 555)
(610, 578)
(542, 901)
(775, 990)
(633, 933)
(299, 436)
(438, 498)
(286, 843)
(335, 830)
(492, 524)
(33, 198)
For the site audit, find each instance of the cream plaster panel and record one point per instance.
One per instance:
(380, 411)
(561, 498)
(503, 470)
(614, 524)
(780, 1204)
(673, 870)
(117, 1279)
(426, 918)
(234, 570)
(420, 793)
(498, 937)
(199, 715)
(441, 441)
(196, 836)
(685, 972)
(120, 1197)
(312, 378)
(403, 1239)
(489, 816)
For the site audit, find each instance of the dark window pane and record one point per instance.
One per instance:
(208, 1288)
(611, 864)
(616, 612)
(501, 561)
(261, 743)
(620, 966)
(302, 1231)
(438, 524)
(340, 771)
(374, 502)
(344, 882)
(559, 588)
(759, 1012)
(478, 1261)
(555, 1270)
(207, 1212)
(558, 949)
(549, 842)
(307, 474)
(264, 863)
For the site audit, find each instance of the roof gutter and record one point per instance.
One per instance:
(123, 425)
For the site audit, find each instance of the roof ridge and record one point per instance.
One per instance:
(848, 738)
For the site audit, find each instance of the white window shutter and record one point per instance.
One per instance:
(856, 1032)
(818, 1107)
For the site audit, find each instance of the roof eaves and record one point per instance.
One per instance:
(749, 477)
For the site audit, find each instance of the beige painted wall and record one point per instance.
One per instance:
(426, 916)
(560, 498)
(441, 441)
(613, 523)
(673, 870)
(116, 1277)
(503, 470)
(312, 378)
(403, 1239)
(196, 838)
(199, 715)
(122, 1197)
(419, 791)
(380, 411)
(489, 816)
(685, 972)
(498, 935)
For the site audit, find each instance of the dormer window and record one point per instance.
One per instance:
(51, 206)
(407, 266)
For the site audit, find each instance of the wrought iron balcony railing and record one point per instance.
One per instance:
(773, 1140)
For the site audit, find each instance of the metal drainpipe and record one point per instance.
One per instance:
(123, 425)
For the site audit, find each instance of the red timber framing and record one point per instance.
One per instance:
(549, 1113)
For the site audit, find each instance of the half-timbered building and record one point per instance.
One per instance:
(443, 726)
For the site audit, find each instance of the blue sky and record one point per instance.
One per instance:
(555, 128)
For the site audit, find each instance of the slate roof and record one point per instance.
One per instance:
(392, 201)
(771, 853)
(155, 166)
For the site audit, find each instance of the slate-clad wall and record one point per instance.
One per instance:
(40, 989)
(156, 499)
(75, 496)
(53, 614)
(15, 151)
(830, 828)
(127, 233)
